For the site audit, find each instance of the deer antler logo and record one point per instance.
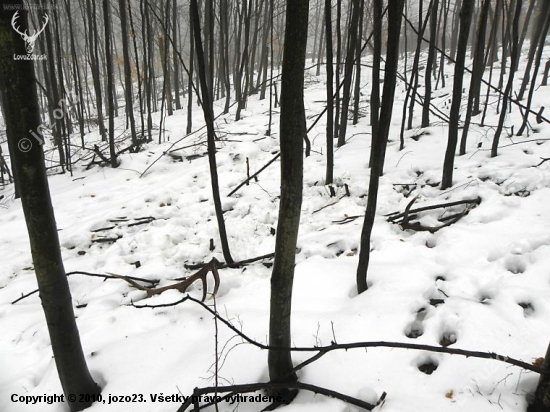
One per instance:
(29, 40)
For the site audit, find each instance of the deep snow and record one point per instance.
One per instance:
(491, 268)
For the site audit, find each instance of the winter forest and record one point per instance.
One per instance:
(257, 205)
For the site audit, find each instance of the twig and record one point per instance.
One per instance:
(543, 159)
(347, 219)
(254, 175)
(330, 204)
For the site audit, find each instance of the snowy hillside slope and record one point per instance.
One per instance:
(482, 283)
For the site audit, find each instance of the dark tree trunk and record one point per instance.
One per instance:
(545, 74)
(348, 70)
(190, 79)
(139, 81)
(540, 49)
(127, 70)
(321, 50)
(330, 93)
(110, 81)
(240, 88)
(508, 90)
(175, 47)
(395, 11)
(264, 55)
(416, 75)
(413, 83)
(429, 66)
(58, 139)
(20, 105)
(338, 66)
(454, 30)
(291, 130)
(165, 63)
(448, 165)
(94, 65)
(542, 394)
(538, 31)
(211, 134)
(209, 45)
(271, 10)
(525, 26)
(146, 69)
(358, 51)
(375, 89)
(224, 52)
(477, 74)
(76, 75)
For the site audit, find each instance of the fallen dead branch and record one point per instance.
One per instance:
(403, 219)
(137, 221)
(322, 350)
(106, 239)
(233, 265)
(98, 275)
(347, 219)
(254, 387)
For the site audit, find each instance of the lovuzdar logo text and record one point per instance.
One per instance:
(28, 39)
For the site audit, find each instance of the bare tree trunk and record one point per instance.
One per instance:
(190, 79)
(395, 11)
(144, 10)
(21, 115)
(291, 129)
(209, 120)
(358, 51)
(338, 67)
(542, 394)
(416, 75)
(429, 66)
(330, 94)
(139, 80)
(123, 4)
(448, 165)
(541, 42)
(58, 139)
(76, 75)
(375, 88)
(348, 70)
(508, 90)
(110, 81)
(224, 52)
(525, 26)
(539, 31)
(477, 75)
(240, 88)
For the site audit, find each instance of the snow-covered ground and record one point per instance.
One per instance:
(491, 269)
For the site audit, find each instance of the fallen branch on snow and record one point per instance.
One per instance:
(322, 350)
(98, 275)
(233, 265)
(253, 387)
(405, 216)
